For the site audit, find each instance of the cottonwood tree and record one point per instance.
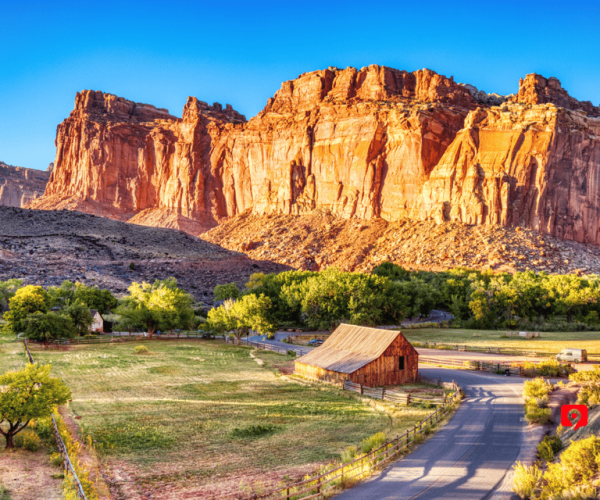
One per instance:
(227, 291)
(158, 306)
(241, 316)
(45, 327)
(28, 394)
(26, 300)
(7, 291)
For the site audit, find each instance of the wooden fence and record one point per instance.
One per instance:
(271, 347)
(322, 485)
(403, 398)
(514, 368)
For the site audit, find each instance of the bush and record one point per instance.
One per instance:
(526, 479)
(578, 465)
(349, 454)
(548, 368)
(536, 415)
(542, 402)
(589, 376)
(140, 349)
(536, 388)
(373, 442)
(548, 448)
(291, 353)
(589, 395)
(56, 459)
(253, 431)
(28, 440)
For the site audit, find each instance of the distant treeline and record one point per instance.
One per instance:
(390, 294)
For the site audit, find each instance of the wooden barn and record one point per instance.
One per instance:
(362, 355)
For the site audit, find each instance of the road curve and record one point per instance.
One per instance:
(469, 458)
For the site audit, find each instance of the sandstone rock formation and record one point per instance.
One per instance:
(20, 186)
(369, 143)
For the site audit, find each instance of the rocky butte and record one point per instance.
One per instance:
(366, 144)
(20, 186)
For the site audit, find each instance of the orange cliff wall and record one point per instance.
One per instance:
(378, 142)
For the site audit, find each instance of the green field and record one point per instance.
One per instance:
(194, 413)
(550, 342)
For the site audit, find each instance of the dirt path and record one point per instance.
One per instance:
(28, 475)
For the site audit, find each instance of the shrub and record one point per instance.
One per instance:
(28, 440)
(589, 376)
(372, 442)
(542, 402)
(536, 415)
(589, 395)
(549, 446)
(548, 368)
(252, 431)
(536, 388)
(56, 459)
(526, 479)
(349, 454)
(291, 353)
(140, 349)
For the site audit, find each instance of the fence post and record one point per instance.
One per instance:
(361, 389)
(408, 399)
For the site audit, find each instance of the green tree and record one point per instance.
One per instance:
(241, 316)
(95, 298)
(44, 327)
(7, 291)
(158, 306)
(80, 316)
(26, 300)
(227, 291)
(256, 280)
(391, 271)
(28, 394)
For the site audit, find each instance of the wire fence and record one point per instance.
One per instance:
(67, 464)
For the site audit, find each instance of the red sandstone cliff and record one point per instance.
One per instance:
(378, 142)
(20, 186)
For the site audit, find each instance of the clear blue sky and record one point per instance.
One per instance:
(240, 52)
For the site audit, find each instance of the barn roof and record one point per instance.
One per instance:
(349, 348)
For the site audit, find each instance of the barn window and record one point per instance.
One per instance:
(401, 363)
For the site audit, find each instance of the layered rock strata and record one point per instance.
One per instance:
(369, 143)
(20, 186)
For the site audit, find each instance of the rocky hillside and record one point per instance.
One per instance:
(45, 248)
(316, 241)
(20, 186)
(357, 144)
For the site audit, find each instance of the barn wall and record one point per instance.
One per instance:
(320, 374)
(384, 370)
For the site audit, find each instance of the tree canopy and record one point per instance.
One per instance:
(44, 327)
(227, 291)
(70, 293)
(28, 394)
(242, 315)
(158, 306)
(7, 291)
(26, 300)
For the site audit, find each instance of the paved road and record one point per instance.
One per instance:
(469, 458)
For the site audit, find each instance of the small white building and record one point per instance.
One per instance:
(98, 324)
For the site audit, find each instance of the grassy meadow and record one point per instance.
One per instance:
(549, 342)
(191, 413)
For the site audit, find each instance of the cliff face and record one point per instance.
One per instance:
(20, 186)
(375, 142)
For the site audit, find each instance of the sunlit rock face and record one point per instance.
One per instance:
(369, 143)
(20, 186)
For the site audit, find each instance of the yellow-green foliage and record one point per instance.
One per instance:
(536, 415)
(69, 484)
(587, 376)
(536, 388)
(578, 465)
(589, 395)
(548, 368)
(373, 442)
(28, 440)
(349, 454)
(526, 479)
(140, 349)
(549, 446)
